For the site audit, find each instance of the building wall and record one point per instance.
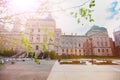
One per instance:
(72, 44)
(11, 40)
(117, 42)
(43, 35)
(100, 42)
(58, 41)
(117, 38)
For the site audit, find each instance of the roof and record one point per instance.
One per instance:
(73, 35)
(96, 28)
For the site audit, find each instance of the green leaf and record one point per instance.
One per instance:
(71, 13)
(36, 60)
(75, 15)
(83, 12)
(92, 4)
(89, 15)
(91, 20)
(78, 20)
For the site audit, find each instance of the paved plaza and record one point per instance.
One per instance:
(52, 70)
(85, 72)
(27, 70)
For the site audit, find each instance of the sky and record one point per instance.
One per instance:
(106, 14)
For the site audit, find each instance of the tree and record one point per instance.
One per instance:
(9, 18)
(84, 13)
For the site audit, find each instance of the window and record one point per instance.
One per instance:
(37, 47)
(79, 50)
(57, 34)
(98, 50)
(102, 50)
(97, 43)
(101, 43)
(106, 44)
(79, 45)
(106, 50)
(66, 44)
(67, 50)
(38, 38)
(38, 29)
(32, 30)
(75, 50)
(31, 39)
(62, 42)
(75, 44)
(62, 50)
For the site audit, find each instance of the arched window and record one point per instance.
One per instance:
(98, 50)
(37, 47)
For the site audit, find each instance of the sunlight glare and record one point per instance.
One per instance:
(23, 5)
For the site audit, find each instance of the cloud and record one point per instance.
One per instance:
(114, 9)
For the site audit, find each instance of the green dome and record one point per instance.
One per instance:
(95, 27)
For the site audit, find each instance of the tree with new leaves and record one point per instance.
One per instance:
(8, 17)
(84, 13)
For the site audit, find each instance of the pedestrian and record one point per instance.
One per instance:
(59, 59)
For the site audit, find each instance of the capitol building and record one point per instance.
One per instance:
(42, 34)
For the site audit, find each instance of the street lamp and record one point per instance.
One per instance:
(91, 48)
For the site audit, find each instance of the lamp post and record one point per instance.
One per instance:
(91, 48)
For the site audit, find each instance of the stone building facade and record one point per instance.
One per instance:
(100, 41)
(95, 42)
(42, 35)
(117, 38)
(117, 42)
(72, 44)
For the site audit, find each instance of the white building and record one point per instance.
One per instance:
(42, 35)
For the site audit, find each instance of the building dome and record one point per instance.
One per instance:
(95, 27)
(49, 17)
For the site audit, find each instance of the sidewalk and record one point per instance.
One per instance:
(84, 72)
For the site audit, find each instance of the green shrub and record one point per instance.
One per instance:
(53, 55)
(46, 54)
(7, 53)
(36, 60)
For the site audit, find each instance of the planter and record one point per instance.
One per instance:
(13, 62)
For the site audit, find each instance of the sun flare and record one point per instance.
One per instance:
(23, 5)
